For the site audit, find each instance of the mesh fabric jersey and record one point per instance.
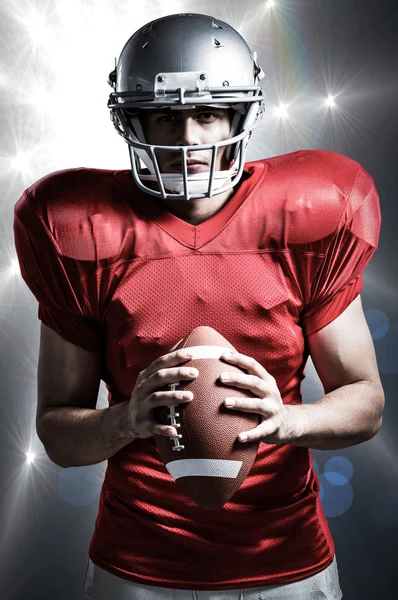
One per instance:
(118, 274)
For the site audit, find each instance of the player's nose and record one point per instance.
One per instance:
(187, 132)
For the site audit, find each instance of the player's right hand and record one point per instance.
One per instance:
(149, 393)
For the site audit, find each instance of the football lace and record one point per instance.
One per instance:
(172, 416)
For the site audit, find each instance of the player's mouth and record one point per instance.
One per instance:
(193, 166)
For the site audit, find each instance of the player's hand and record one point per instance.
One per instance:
(149, 393)
(269, 403)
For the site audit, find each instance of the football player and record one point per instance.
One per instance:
(125, 263)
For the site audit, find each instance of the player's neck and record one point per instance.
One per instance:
(198, 211)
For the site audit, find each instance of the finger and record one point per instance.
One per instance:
(266, 429)
(263, 406)
(168, 398)
(247, 363)
(158, 429)
(165, 377)
(252, 383)
(171, 359)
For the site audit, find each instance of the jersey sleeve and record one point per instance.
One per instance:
(62, 305)
(338, 280)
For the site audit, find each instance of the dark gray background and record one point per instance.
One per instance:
(47, 514)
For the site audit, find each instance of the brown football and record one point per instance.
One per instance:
(206, 458)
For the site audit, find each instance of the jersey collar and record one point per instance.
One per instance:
(194, 236)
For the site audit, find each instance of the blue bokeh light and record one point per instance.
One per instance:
(321, 491)
(338, 470)
(378, 323)
(336, 499)
(335, 478)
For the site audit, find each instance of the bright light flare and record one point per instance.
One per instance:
(14, 267)
(21, 162)
(281, 111)
(330, 101)
(30, 457)
(271, 3)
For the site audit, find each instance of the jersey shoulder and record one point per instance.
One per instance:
(82, 188)
(312, 191)
(79, 209)
(314, 171)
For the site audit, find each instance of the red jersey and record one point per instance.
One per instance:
(116, 273)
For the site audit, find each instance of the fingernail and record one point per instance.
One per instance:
(243, 437)
(227, 354)
(193, 372)
(229, 402)
(225, 376)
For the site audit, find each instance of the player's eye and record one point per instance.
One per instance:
(202, 116)
(165, 119)
(207, 115)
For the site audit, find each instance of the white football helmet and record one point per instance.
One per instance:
(183, 61)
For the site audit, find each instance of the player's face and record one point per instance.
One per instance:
(192, 127)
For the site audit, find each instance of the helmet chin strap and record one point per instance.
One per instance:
(198, 183)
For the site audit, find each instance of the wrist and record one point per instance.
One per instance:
(295, 424)
(116, 424)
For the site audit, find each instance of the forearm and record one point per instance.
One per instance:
(347, 416)
(74, 437)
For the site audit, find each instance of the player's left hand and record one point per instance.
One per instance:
(269, 404)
